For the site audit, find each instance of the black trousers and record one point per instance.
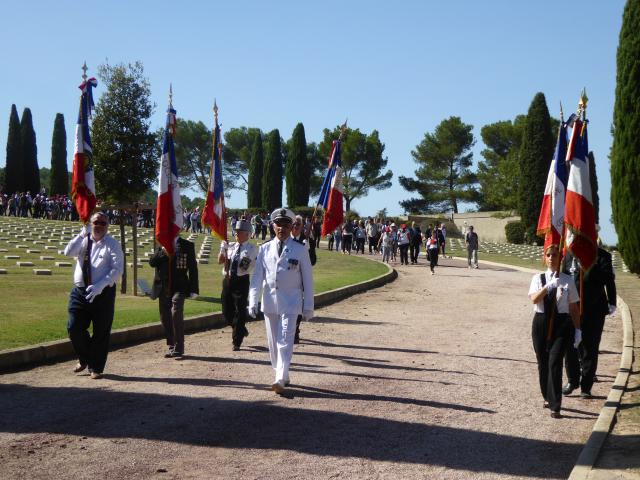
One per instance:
(235, 299)
(373, 245)
(433, 257)
(360, 245)
(581, 363)
(346, 243)
(415, 251)
(91, 350)
(172, 318)
(404, 254)
(549, 355)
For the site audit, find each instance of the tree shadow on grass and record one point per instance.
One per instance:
(270, 424)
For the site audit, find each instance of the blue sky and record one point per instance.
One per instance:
(400, 68)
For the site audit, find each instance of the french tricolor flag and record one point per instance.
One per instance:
(169, 220)
(551, 220)
(214, 215)
(579, 216)
(83, 189)
(331, 193)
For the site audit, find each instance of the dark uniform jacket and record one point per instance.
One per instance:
(184, 275)
(599, 283)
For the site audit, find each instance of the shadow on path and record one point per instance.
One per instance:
(232, 424)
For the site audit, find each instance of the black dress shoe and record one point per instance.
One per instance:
(556, 414)
(586, 395)
(545, 405)
(236, 348)
(568, 389)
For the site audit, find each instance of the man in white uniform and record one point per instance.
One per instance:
(283, 275)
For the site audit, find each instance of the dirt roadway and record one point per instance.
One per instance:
(427, 377)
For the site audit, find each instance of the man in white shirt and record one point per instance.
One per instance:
(99, 266)
(283, 275)
(239, 259)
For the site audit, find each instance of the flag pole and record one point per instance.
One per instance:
(582, 110)
(84, 79)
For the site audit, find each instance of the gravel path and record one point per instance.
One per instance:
(427, 377)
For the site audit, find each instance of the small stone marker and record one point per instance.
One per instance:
(24, 264)
(12, 257)
(32, 250)
(3, 271)
(61, 264)
(41, 271)
(203, 261)
(47, 257)
(50, 247)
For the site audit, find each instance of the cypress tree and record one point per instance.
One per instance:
(272, 178)
(256, 165)
(593, 180)
(13, 167)
(625, 151)
(59, 179)
(297, 172)
(535, 158)
(29, 149)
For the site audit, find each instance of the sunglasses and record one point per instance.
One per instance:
(100, 223)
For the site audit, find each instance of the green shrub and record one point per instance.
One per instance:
(515, 232)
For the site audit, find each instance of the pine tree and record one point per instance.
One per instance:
(625, 152)
(13, 168)
(256, 165)
(29, 149)
(59, 180)
(593, 179)
(272, 178)
(298, 171)
(535, 158)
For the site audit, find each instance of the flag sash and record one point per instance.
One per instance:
(82, 181)
(214, 215)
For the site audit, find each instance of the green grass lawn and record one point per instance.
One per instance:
(535, 263)
(34, 308)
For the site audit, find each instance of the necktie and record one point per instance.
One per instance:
(234, 262)
(86, 264)
(280, 246)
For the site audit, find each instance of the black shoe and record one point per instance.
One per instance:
(545, 405)
(236, 348)
(169, 354)
(556, 414)
(568, 389)
(177, 355)
(586, 395)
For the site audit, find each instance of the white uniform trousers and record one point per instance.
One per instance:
(281, 331)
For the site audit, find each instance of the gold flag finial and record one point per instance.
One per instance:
(343, 128)
(84, 71)
(582, 103)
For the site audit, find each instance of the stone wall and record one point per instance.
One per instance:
(488, 225)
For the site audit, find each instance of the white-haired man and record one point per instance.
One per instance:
(99, 266)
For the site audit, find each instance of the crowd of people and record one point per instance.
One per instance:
(24, 204)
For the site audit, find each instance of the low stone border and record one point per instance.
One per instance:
(607, 418)
(17, 358)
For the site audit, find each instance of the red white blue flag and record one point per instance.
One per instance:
(579, 216)
(551, 220)
(169, 220)
(83, 189)
(214, 215)
(331, 193)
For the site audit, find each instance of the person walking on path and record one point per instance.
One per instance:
(239, 260)
(471, 240)
(432, 250)
(384, 244)
(416, 242)
(175, 279)
(99, 266)
(283, 275)
(555, 305)
(300, 236)
(404, 239)
(599, 300)
(443, 244)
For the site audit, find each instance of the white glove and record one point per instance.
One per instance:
(252, 311)
(93, 291)
(223, 246)
(307, 315)
(86, 230)
(612, 309)
(577, 338)
(553, 283)
(193, 296)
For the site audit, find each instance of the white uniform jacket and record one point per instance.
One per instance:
(247, 260)
(286, 282)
